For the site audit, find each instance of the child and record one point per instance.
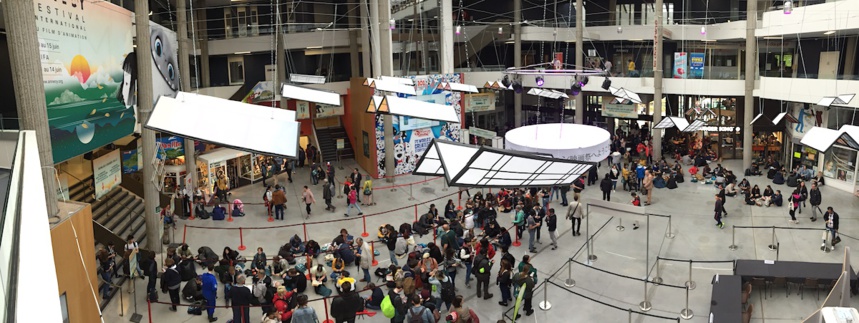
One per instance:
(637, 202)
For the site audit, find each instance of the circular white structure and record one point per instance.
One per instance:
(561, 140)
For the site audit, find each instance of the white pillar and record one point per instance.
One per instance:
(657, 83)
(751, 64)
(366, 54)
(375, 29)
(445, 45)
(580, 62)
(387, 68)
(517, 59)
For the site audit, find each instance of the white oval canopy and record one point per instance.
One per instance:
(562, 140)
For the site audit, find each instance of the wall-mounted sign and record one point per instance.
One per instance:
(478, 102)
(626, 111)
(696, 65)
(302, 110)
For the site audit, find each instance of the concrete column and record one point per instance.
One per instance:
(30, 89)
(387, 68)
(445, 45)
(280, 74)
(203, 37)
(365, 41)
(657, 83)
(751, 65)
(375, 40)
(151, 195)
(517, 59)
(185, 78)
(580, 62)
(354, 54)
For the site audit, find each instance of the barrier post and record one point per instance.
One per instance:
(645, 305)
(658, 278)
(184, 232)
(230, 212)
(373, 252)
(425, 181)
(670, 233)
(459, 200)
(620, 224)
(411, 197)
(690, 284)
(325, 303)
(545, 305)
(304, 227)
(687, 313)
(516, 242)
(434, 235)
(630, 315)
(416, 213)
(242, 240)
(733, 245)
(569, 282)
(773, 246)
(365, 233)
(444, 186)
(192, 213)
(270, 219)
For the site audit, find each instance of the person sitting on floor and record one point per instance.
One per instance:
(672, 181)
(792, 180)
(778, 178)
(777, 198)
(731, 190)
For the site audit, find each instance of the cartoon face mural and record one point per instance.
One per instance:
(166, 81)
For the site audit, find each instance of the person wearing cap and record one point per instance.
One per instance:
(327, 195)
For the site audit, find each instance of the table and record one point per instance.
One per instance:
(726, 299)
(794, 271)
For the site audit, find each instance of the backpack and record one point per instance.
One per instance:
(196, 308)
(447, 292)
(388, 307)
(417, 317)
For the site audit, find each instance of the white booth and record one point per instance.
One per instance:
(224, 161)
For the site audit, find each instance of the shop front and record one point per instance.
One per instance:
(840, 167)
(221, 162)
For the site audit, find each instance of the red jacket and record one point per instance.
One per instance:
(282, 306)
(490, 253)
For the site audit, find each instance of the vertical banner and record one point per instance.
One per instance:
(680, 69)
(302, 110)
(696, 65)
(107, 173)
(130, 161)
(83, 46)
(558, 62)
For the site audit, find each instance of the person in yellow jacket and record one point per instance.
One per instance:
(367, 190)
(223, 187)
(625, 175)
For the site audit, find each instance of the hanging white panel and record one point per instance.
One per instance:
(310, 95)
(820, 138)
(420, 109)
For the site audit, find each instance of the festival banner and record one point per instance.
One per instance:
(83, 45)
(680, 69)
(625, 111)
(107, 173)
(696, 65)
(131, 161)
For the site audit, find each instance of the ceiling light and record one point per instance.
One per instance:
(314, 47)
(539, 80)
(637, 39)
(393, 24)
(709, 40)
(773, 37)
(241, 53)
(829, 32)
(458, 30)
(506, 81)
(606, 84)
(788, 7)
(703, 30)
(410, 20)
(510, 42)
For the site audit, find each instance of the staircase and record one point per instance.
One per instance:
(115, 216)
(478, 38)
(328, 144)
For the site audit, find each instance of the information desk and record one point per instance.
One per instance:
(726, 299)
(794, 271)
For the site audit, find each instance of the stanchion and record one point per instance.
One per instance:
(826, 247)
(148, 307)
(590, 244)
(325, 303)
(416, 213)
(304, 227)
(425, 181)
(339, 192)
(192, 213)
(773, 246)
(687, 313)
(434, 235)
(620, 224)
(363, 234)
(733, 245)
(658, 278)
(545, 305)
(629, 311)
(242, 240)
(645, 305)
(690, 284)
(459, 200)
(569, 282)
(411, 197)
(184, 232)
(230, 212)
(670, 233)
(373, 252)
(444, 186)
(516, 242)
(270, 219)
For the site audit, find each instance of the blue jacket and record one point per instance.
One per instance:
(210, 286)
(639, 171)
(346, 254)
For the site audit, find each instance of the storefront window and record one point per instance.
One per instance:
(839, 164)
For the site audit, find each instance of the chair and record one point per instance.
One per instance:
(747, 314)
(780, 281)
(810, 283)
(747, 291)
(761, 283)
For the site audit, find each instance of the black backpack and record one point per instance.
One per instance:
(447, 291)
(417, 317)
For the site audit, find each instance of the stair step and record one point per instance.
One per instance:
(118, 213)
(135, 213)
(101, 207)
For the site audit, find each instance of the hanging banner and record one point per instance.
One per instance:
(82, 48)
(680, 69)
(625, 111)
(131, 161)
(696, 65)
(107, 173)
(409, 123)
(326, 110)
(558, 62)
(261, 92)
(171, 146)
(478, 102)
(302, 110)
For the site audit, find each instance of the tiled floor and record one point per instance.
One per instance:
(618, 252)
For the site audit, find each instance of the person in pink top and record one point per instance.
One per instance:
(307, 197)
(353, 201)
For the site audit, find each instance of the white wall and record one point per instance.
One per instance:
(337, 38)
(223, 92)
(805, 90)
(725, 31)
(814, 19)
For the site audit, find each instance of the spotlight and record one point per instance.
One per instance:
(458, 29)
(539, 80)
(393, 24)
(517, 86)
(500, 30)
(788, 7)
(606, 84)
(576, 88)
(619, 30)
(585, 81)
(506, 81)
(703, 30)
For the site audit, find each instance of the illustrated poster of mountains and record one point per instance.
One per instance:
(83, 46)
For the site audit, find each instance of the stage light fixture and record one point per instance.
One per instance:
(393, 24)
(606, 84)
(517, 86)
(458, 30)
(585, 81)
(576, 88)
(788, 7)
(500, 30)
(539, 80)
(506, 81)
(703, 30)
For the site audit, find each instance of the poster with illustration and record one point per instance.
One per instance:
(680, 69)
(82, 47)
(807, 116)
(412, 136)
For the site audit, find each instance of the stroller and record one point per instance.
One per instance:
(238, 208)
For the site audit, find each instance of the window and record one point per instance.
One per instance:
(839, 164)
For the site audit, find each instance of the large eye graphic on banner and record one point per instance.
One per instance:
(166, 80)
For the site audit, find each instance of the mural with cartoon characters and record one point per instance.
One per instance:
(808, 118)
(412, 136)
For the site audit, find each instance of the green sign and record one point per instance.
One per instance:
(626, 111)
(482, 133)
